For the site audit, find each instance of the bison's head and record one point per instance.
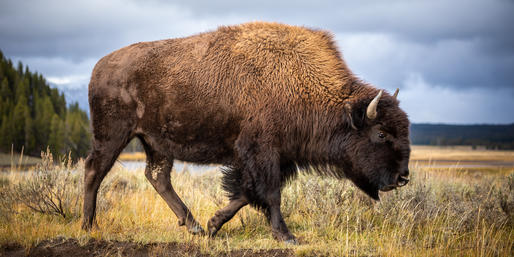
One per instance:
(377, 149)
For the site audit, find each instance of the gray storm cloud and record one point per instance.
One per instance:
(463, 48)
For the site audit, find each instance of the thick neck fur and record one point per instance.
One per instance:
(324, 130)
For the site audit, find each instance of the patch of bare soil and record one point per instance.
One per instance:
(71, 247)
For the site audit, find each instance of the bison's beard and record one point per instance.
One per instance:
(360, 180)
(368, 188)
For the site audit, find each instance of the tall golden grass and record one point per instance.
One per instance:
(459, 153)
(441, 212)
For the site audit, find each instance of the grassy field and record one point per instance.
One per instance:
(443, 212)
(17, 161)
(459, 153)
(419, 152)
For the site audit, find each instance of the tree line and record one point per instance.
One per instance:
(34, 116)
(499, 137)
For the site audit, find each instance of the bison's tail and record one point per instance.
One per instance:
(231, 182)
(236, 186)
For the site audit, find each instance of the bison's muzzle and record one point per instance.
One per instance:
(401, 181)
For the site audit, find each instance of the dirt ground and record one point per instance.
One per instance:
(71, 247)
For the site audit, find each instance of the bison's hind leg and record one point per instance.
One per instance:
(231, 183)
(98, 163)
(158, 168)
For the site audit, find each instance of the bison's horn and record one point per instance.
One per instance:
(372, 107)
(395, 95)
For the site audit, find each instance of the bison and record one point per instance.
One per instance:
(262, 99)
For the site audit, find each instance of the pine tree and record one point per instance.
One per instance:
(5, 91)
(22, 89)
(20, 69)
(6, 124)
(33, 115)
(30, 138)
(6, 132)
(19, 123)
(78, 135)
(58, 102)
(57, 136)
(44, 114)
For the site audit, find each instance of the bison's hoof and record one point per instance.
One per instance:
(196, 230)
(287, 238)
(88, 226)
(212, 228)
(292, 241)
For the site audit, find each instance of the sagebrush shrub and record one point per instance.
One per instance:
(49, 189)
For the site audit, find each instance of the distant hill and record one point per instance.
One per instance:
(34, 116)
(490, 136)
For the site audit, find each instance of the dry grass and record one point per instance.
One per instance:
(451, 154)
(132, 156)
(458, 153)
(442, 212)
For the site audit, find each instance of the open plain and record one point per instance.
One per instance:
(460, 202)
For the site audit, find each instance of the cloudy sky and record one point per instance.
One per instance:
(452, 60)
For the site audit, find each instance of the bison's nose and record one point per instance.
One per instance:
(403, 178)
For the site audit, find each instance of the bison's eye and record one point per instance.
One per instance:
(381, 134)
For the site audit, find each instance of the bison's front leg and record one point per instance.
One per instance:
(263, 172)
(278, 225)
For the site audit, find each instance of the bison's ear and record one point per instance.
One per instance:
(354, 115)
(349, 115)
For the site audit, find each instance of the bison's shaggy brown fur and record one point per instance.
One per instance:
(259, 98)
